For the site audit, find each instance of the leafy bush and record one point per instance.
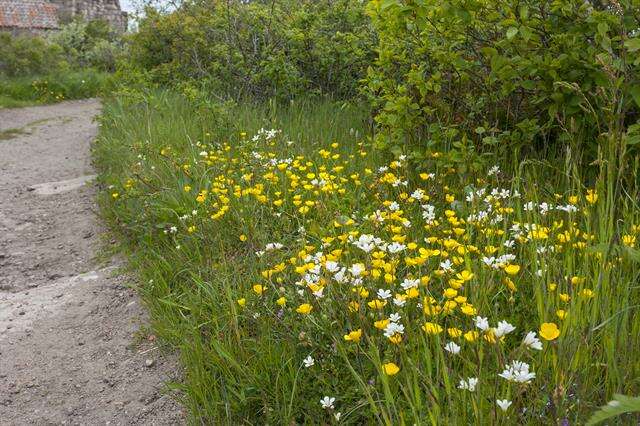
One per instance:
(503, 75)
(280, 48)
(89, 44)
(27, 55)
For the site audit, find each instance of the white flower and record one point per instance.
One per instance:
(452, 347)
(337, 416)
(327, 402)
(395, 247)
(418, 194)
(446, 265)
(308, 361)
(469, 384)
(532, 342)
(273, 246)
(332, 266)
(503, 329)
(481, 323)
(518, 372)
(357, 269)
(392, 329)
(409, 283)
(384, 294)
(394, 317)
(365, 243)
(504, 404)
(399, 302)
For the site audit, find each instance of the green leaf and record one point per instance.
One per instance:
(385, 4)
(634, 91)
(511, 32)
(620, 404)
(633, 44)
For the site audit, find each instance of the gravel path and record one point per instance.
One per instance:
(73, 347)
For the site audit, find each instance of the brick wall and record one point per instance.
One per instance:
(46, 15)
(33, 14)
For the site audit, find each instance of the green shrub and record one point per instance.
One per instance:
(89, 44)
(264, 49)
(504, 76)
(27, 55)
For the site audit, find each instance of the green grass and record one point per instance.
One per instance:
(37, 90)
(11, 133)
(243, 354)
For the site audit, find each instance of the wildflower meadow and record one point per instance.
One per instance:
(307, 278)
(385, 212)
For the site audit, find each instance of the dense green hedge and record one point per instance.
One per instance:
(504, 75)
(77, 45)
(261, 49)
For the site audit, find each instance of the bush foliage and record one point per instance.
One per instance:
(503, 75)
(77, 45)
(261, 49)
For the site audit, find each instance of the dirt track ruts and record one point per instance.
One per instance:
(72, 344)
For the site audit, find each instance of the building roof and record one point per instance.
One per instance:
(31, 14)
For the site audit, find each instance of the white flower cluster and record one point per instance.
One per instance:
(518, 372)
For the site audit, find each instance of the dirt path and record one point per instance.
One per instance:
(71, 346)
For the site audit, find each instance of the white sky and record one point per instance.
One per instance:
(127, 5)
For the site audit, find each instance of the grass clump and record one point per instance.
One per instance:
(308, 278)
(49, 88)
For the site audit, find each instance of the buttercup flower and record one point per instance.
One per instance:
(549, 331)
(390, 368)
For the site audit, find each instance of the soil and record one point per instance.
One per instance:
(74, 348)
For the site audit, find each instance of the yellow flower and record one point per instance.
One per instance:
(304, 309)
(396, 338)
(471, 336)
(561, 314)
(376, 304)
(549, 331)
(390, 368)
(587, 293)
(465, 275)
(468, 309)
(510, 284)
(381, 324)
(282, 301)
(259, 289)
(512, 269)
(432, 328)
(354, 306)
(450, 293)
(353, 336)
(243, 237)
(242, 302)
(454, 332)
(577, 280)
(592, 196)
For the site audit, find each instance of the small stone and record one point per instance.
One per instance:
(149, 362)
